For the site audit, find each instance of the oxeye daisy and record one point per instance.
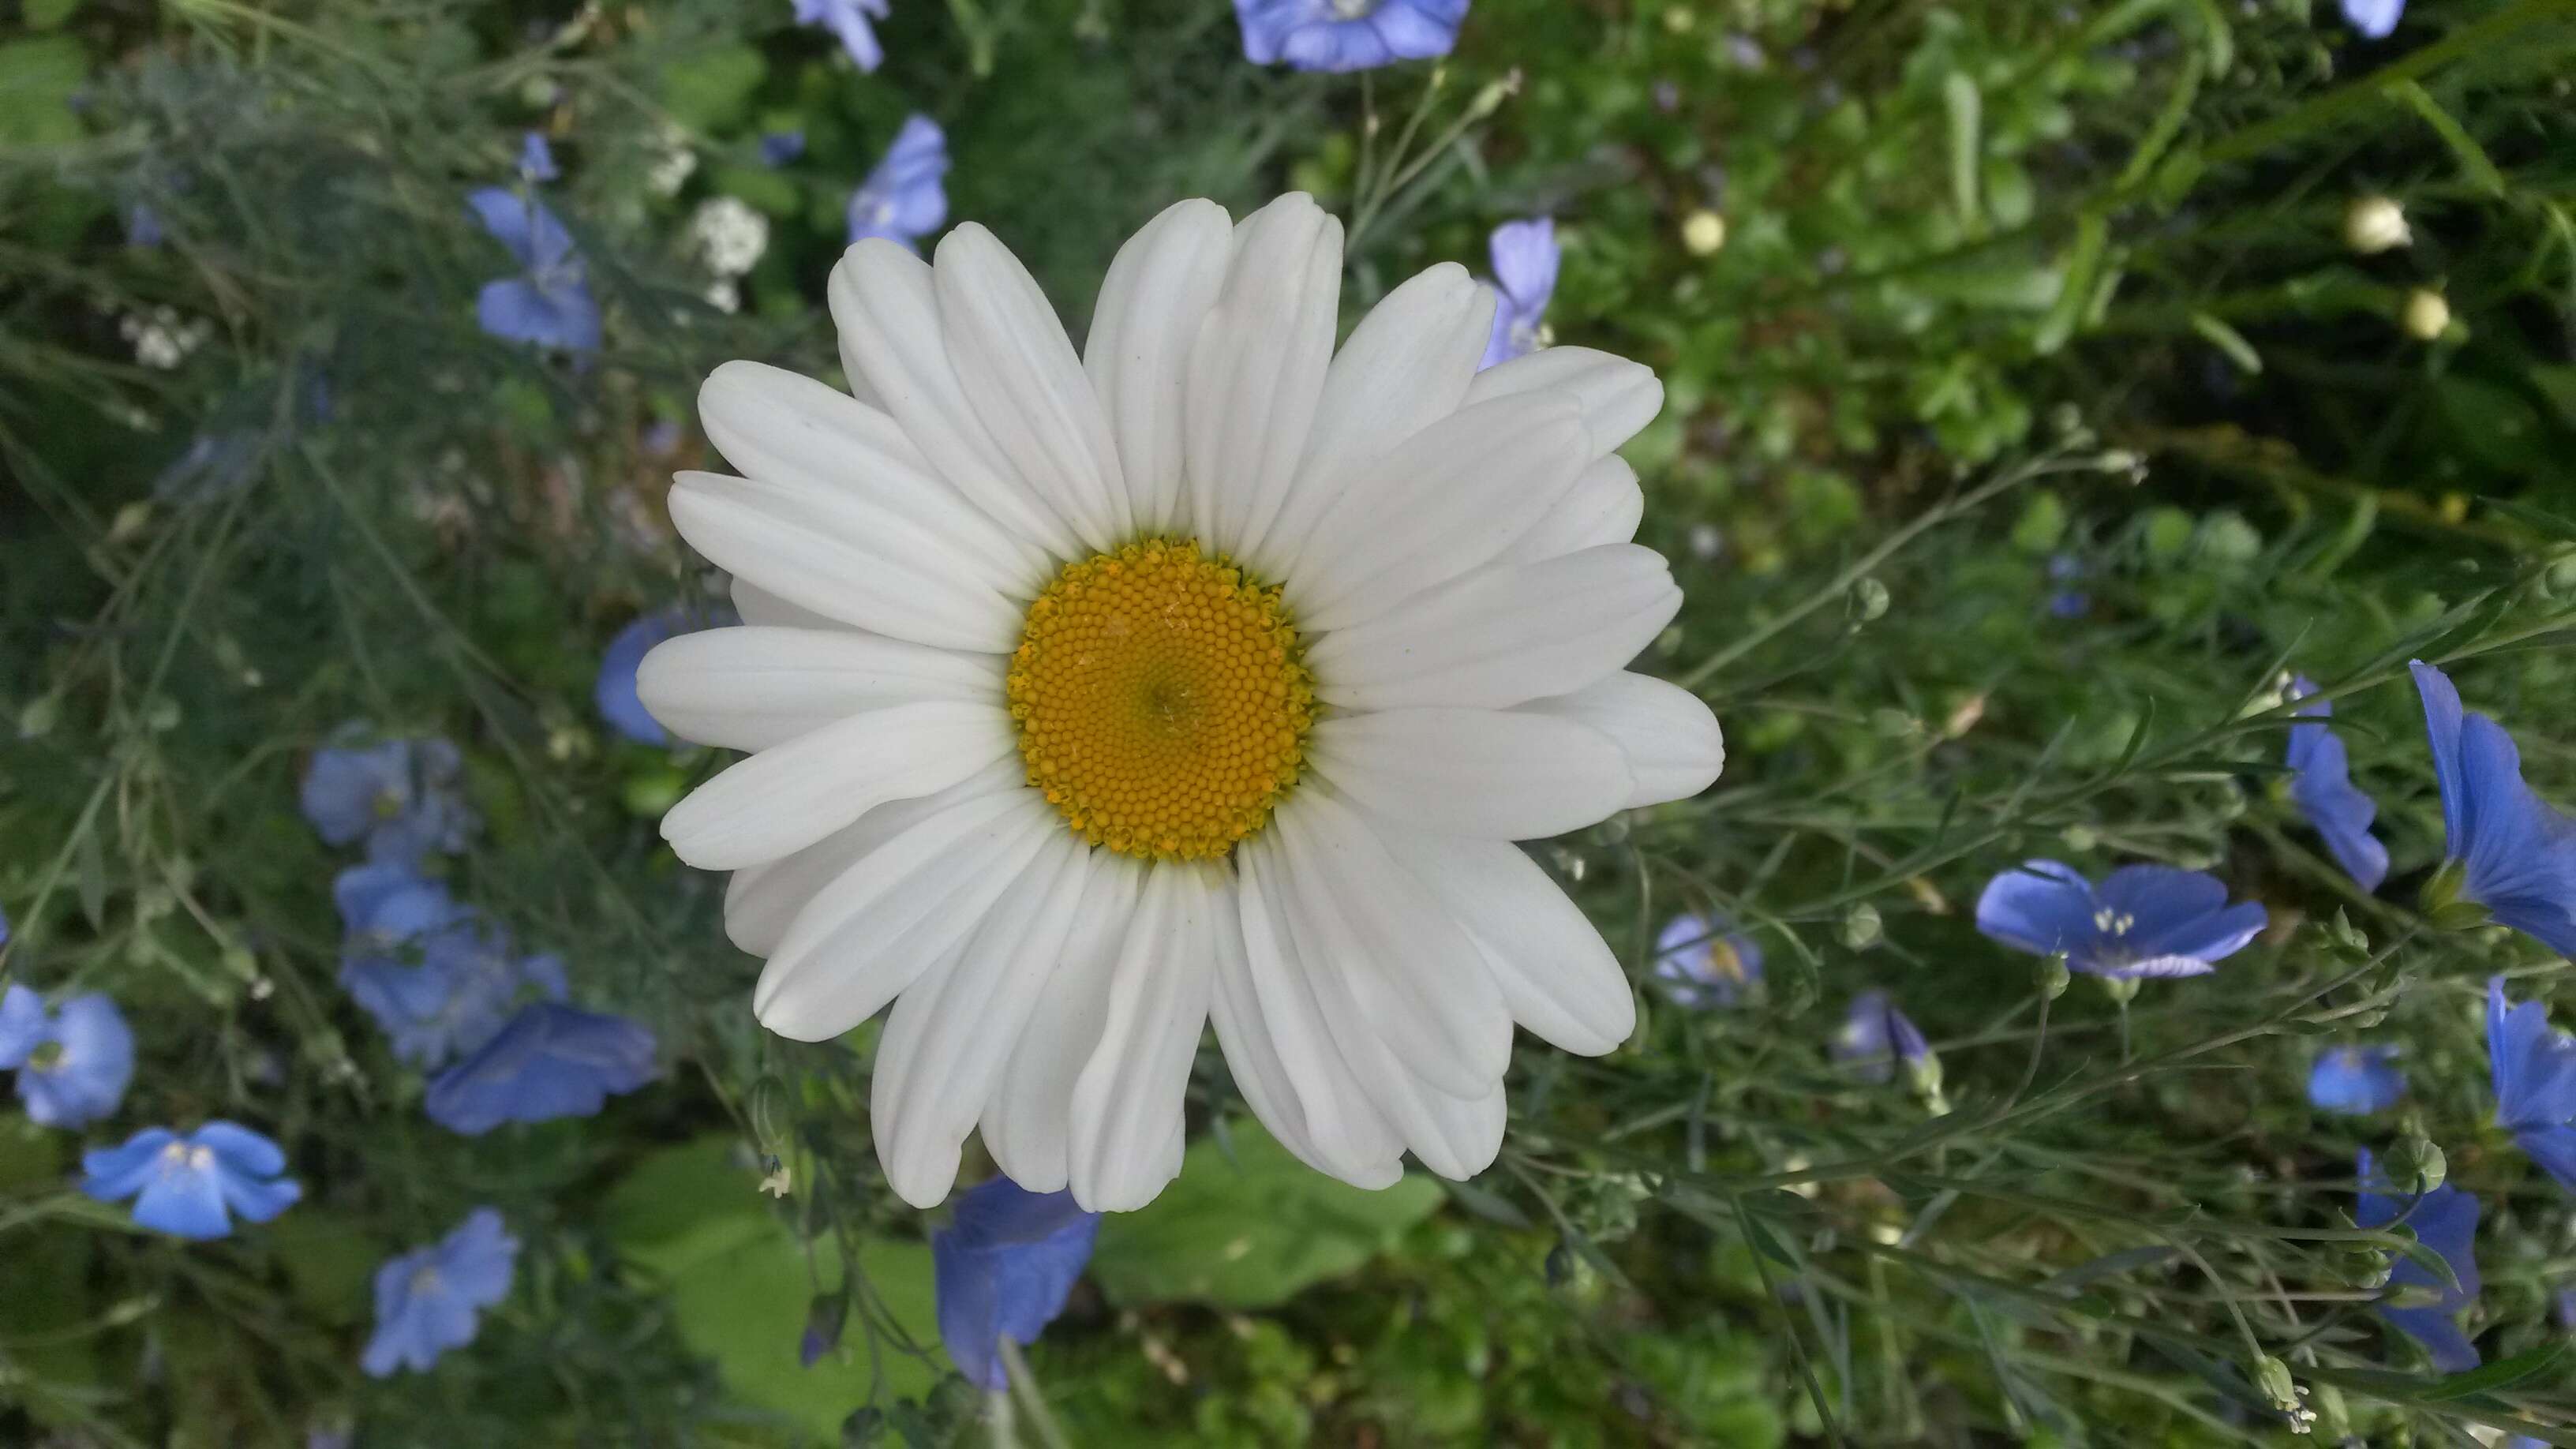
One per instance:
(1206, 674)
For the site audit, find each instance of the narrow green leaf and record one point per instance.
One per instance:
(2480, 171)
(2228, 340)
(2083, 258)
(1959, 97)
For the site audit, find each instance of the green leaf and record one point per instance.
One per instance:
(2502, 1374)
(329, 1261)
(1251, 1232)
(39, 77)
(2228, 340)
(49, 14)
(712, 89)
(1966, 111)
(2480, 171)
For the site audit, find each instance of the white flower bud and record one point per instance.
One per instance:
(1703, 232)
(2426, 316)
(2374, 224)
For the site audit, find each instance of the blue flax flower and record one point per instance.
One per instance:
(2534, 1069)
(437, 975)
(1004, 1268)
(72, 1064)
(2356, 1080)
(429, 1300)
(2446, 1221)
(1345, 35)
(777, 148)
(143, 226)
(2066, 571)
(906, 197)
(2321, 786)
(1525, 255)
(614, 691)
(2142, 921)
(399, 796)
(2375, 19)
(1703, 964)
(2517, 854)
(550, 303)
(851, 21)
(190, 1187)
(550, 1061)
(536, 158)
(1875, 1038)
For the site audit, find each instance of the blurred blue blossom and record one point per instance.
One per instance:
(1704, 964)
(614, 690)
(2534, 1070)
(214, 465)
(661, 438)
(536, 158)
(73, 1063)
(435, 974)
(2142, 921)
(1346, 35)
(550, 304)
(429, 1300)
(190, 1187)
(398, 795)
(2067, 601)
(2373, 18)
(143, 226)
(1004, 1268)
(905, 198)
(2446, 1221)
(849, 19)
(550, 1061)
(2356, 1080)
(2321, 786)
(4, 928)
(1525, 257)
(2517, 855)
(780, 147)
(1875, 1038)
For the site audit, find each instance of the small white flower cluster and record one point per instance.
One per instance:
(164, 339)
(673, 168)
(729, 234)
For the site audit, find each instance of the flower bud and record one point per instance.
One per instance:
(2273, 1377)
(1861, 926)
(773, 1126)
(1868, 601)
(2415, 1166)
(2053, 975)
(2361, 1266)
(2374, 224)
(2426, 316)
(1703, 233)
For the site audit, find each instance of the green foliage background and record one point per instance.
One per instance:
(2001, 283)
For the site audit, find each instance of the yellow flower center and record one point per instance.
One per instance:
(1161, 699)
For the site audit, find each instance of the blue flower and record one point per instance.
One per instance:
(1525, 255)
(2446, 1221)
(2375, 19)
(4, 928)
(215, 465)
(1704, 963)
(72, 1064)
(614, 692)
(1346, 35)
(2356, 1080)
(427, 1300)
(2142, 921)
(435, 974)
(550, 305)
(2534, 1070)
(2321, 786)
(143, 226)
(904, 199)
(780, 147)
(848, 19)
(191, 1186)
(551, 1061)
(400, 796)
(536, 158)
(1004, 1267)
(2518, 855)
(1875, 1037)
(2067, 602)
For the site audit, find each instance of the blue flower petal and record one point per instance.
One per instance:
(2356, 1080)
(2446, 1221)
(1005, 1268)
(550, 1061)
(516, 309)
(2375, 19)
(2040, 906)
(22, 1023)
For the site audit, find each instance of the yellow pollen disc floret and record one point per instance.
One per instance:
(1161, 700)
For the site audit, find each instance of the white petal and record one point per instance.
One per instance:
(1412, 971)
(1279, 1049)
(1028, 1123)
(867, 934)
(1024, 381)
(786, 798)
(1502, 634)
(759, 606)
(1406, 366)
(1491, 774)
(952, 1033)
(836, 554)
(1559, 976)
(887, 307)
(1157, 294)
(779, 427)
(1127, 1100)
(1670, 737)
(753, 687)
(761, 901)
(1257, 371)
(1619, 397)
(1604, 506)
(1448, 500)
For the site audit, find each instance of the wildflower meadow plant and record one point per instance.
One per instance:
(431, 1300)
(193, 1185)
(73, 1062)
(2142, 921)
(2505, 848)
(906, 197)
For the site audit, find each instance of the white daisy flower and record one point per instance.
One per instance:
(1205, 675)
